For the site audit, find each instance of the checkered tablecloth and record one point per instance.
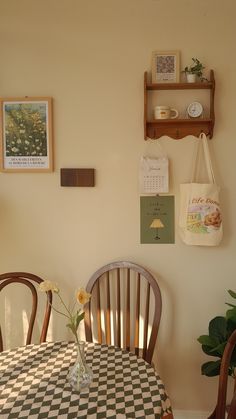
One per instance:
(33, 384)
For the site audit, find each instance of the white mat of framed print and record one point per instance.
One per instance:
(26, 131)
(165, 67)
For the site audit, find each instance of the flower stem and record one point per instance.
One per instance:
(73, 307)
(76, 338)
(68, 311)
(60, 312)
(70, 317)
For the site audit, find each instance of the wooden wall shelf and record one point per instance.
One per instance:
(179, 128)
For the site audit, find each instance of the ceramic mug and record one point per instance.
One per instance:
(165, 112)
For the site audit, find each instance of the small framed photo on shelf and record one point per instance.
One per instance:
(26, 134)
(165, 67)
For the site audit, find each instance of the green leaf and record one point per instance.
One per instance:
(231, 326)
(230, 305)
(219, 349)
(208, 341)
(211, 368)
(233, 358)
(232, 293)
(79, 317)
(72, 319)
(211, 351)
(231, 315)
(70, 327)
(218, 328)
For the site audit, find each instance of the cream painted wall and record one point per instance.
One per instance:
(90, 57)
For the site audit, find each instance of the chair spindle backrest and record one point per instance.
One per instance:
(129, 283)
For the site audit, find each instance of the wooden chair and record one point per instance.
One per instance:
(232, 408)
(220, 409)
(28, 280)
(122, 291)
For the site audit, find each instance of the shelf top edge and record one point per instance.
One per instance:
(180, 85)
(180, 121)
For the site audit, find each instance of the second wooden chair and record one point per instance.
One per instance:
(125, 308)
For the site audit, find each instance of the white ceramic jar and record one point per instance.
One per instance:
(191, 78)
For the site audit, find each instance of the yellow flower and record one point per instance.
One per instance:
(48, 286)
(82, 296)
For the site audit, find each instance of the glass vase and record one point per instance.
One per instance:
(80, 375)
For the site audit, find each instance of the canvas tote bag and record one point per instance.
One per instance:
(200, 219)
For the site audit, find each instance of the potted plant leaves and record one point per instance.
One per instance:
(194, 71)
(220, 328)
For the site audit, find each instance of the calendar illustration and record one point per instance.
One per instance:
(154, 175)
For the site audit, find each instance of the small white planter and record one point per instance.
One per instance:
(191, 78)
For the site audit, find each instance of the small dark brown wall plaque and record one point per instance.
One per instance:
(77, 177)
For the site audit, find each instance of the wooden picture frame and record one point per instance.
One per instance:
(26, 134)
(165, 67)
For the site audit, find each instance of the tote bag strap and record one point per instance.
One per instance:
(194, 161)
(202, 141)
(207, 158)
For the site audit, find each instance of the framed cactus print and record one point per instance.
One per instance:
(26, 131)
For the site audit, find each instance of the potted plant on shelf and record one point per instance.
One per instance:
(194, 71)
(213, 344)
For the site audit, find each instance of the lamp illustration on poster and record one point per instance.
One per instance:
(157, 219)
(156, 223)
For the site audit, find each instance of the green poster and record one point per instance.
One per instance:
(157, 219)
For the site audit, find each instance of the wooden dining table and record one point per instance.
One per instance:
(34, 384)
